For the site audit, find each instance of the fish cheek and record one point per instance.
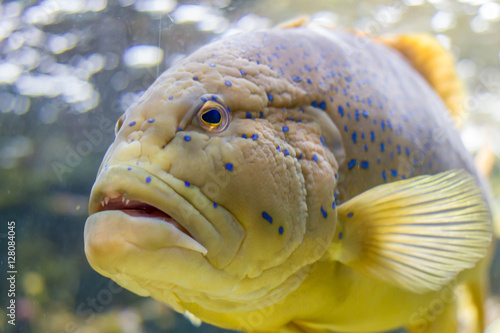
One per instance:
(266, 194)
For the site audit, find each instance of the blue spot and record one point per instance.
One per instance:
(228, 83)
(365, 164)
(345, 92)
(384, 176)
(267, 217)
(322, 105)
(398, 147)
(244, 136)
(187, 184)
(195, 78)
(389, 124)
(255, 137)
(351, 214)
(394, 173)
(243, 72)
(285, 129)
(345, 128)
(179, 129)
(286, 152)
(372, 136)
(278, 148)
(407, 151)
(352, 164)
(382, 125)
(340, 235)
(382, 147)
(323, 212)
(229, 167)
(354, 137)
(280, 230)
(366, 148)
(334, 206)
(129, 168)
(300, 156)
(297, 79)
(314, 104)
(357, 115)
(331, 99)
(187, 138)
(170, 98)
(270, 97)
(363, 135)
(132, 123)
(365, 113)
(148, 179)
(309, 81)
(341, 110)
(215, 205)
(151, 120)
(261, 114)
(322, 141)
(315, 158)
(374, 121)
(248, 115)
(203, 98)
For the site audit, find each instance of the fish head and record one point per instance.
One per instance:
(219, 187)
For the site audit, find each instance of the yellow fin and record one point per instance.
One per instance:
(435, 64)
(195, 321)
(418, 233)
(295, 22)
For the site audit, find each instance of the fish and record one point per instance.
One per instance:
(299, 179)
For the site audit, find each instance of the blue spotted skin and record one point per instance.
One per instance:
(370, 92)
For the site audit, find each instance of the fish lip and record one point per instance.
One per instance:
(221, 235)
(95, 205)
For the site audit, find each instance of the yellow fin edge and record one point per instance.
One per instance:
(435, 64)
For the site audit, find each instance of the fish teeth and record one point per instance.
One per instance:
(102, 203)
(127, 201)
(106, 200)
(123, 199)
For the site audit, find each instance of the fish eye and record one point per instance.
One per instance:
(119, 124)
(213, 116)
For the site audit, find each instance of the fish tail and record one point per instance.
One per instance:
(436, 65)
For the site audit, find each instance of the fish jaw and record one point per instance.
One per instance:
(155, 234)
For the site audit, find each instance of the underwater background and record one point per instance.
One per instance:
(70, 68)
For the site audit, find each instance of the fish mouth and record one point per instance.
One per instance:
(137, 208)
(184, 216)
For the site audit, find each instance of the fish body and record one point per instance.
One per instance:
(298, 179)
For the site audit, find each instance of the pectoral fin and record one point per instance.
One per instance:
(417, 233)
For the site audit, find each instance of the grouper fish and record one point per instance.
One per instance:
(298, 179)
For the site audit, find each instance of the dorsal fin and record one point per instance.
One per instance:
(435, 64)
(295, 22)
